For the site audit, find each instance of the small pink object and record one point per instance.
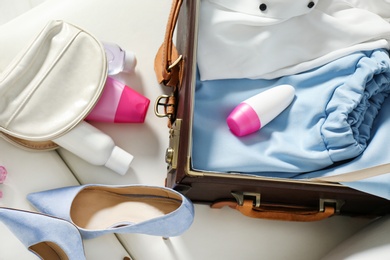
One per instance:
(243, 120)
(257, 111)
(3, 174)
(119, 104)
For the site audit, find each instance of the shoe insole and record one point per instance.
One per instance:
(99, 209)
(48, 251)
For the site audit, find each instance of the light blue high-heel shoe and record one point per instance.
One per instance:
(101, 209)
(48, 237)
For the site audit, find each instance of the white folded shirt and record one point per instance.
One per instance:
(380, 7)
(238, 40)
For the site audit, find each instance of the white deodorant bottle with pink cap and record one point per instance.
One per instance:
(257, 111)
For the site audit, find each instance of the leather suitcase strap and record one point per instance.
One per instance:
(168, 62)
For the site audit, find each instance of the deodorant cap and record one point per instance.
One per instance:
(243, 120)
(119, 161)
(132, 107)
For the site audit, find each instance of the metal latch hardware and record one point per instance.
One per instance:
(171, 154)
(168, 103)
(240, 197)
(174, 64)
(337, 204)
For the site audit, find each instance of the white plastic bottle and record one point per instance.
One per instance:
(119, 60)
(257, 111)
(95, 147)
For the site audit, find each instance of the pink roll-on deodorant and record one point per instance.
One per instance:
(119, 104)
(257, 111)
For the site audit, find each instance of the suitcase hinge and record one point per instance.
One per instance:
(172, 151)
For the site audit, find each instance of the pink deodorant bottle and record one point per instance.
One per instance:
(119, 104)
(119, 60)
(257, 111)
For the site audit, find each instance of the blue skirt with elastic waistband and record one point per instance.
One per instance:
(329, 121)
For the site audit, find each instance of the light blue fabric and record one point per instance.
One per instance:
(377, 152)
(329, 120)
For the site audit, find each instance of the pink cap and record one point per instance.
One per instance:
(132, 107)
(243, 120)
(119, 104)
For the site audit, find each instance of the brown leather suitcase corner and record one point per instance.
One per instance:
(258, 197)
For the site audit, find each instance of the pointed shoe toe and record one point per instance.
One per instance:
(100, 209)
(48, 237)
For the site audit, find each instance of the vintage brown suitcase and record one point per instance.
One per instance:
(260, 197)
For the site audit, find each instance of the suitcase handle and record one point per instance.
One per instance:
(277, 212)
(168, 61)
